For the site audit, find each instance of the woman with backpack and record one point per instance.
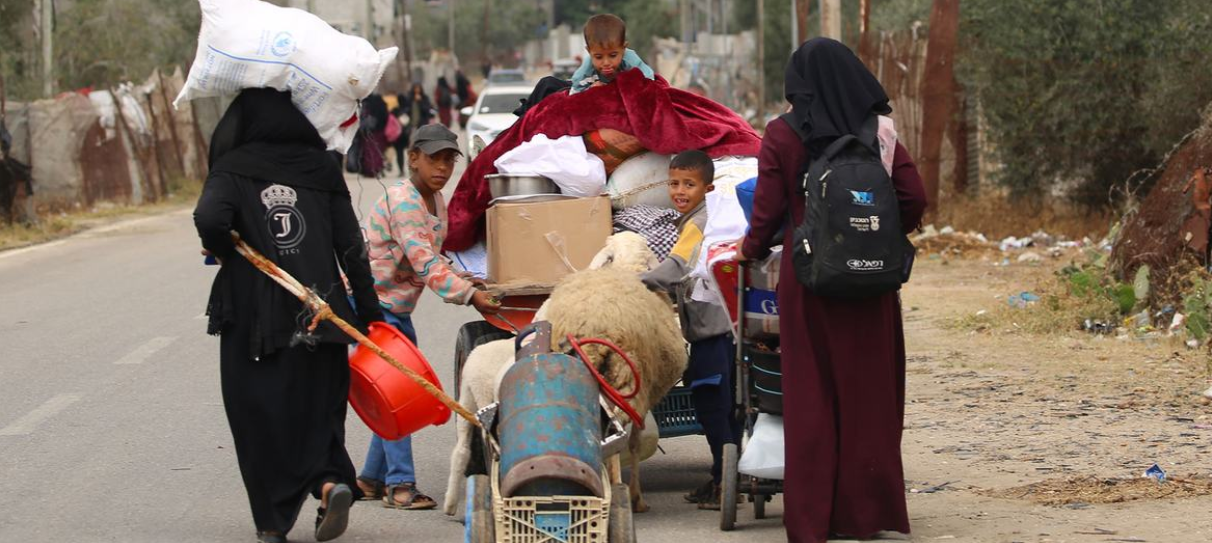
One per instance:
(842, 356)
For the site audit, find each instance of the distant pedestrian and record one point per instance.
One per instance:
(443, 96)
(416, 107)
(843, 359)
(467, 95)
(284, 391)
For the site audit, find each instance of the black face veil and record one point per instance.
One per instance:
(830, 90)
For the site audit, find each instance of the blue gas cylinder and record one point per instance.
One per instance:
(550, 428)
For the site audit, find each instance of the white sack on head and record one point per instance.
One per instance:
(252, 44)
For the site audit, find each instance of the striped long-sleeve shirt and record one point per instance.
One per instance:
(405, 242)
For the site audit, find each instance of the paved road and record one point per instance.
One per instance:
(112, 427)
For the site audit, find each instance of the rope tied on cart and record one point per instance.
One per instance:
(322, 311)
(617, 398)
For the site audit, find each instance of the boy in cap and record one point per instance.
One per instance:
(404, 233)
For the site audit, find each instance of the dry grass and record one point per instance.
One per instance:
(57, 225)
(1095, 490)
(996, 216)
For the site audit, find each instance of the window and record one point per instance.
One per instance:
(501, 103)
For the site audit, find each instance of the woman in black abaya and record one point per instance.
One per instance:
(284, 391)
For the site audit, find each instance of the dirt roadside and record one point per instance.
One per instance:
(989, 412)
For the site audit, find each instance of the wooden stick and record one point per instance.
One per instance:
(323, 312)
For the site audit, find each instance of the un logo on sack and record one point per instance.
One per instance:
(283, 45)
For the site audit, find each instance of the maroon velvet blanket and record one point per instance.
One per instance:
(666, 120)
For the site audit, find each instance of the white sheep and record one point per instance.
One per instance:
(626, 253)
(615, 305)
(478, 389)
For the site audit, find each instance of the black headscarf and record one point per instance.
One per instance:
(264, 136)
(462, 85)
(831, 92)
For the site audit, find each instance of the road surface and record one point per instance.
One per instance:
(112, 425)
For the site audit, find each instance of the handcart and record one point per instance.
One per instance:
(674, 414)
(752, 305)
(556, 489)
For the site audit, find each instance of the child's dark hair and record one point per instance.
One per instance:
(605, 29)
(696, 161)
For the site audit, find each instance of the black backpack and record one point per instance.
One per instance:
(850, 244)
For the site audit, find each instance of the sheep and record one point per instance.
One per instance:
(628, 254)
(615, 305)
(478, 389)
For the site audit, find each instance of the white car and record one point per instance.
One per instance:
(492, 114)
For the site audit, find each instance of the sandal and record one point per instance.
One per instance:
(416, 500)
(699, 494)
(270, 536)
(376, 488)
(332, 521)
(712, 501)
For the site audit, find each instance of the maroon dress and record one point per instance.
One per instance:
(844, 367)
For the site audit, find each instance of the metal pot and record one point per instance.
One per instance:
(511, 184)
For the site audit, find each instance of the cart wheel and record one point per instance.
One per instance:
(470, 336)
(759, 506)
(622, 525)
(478, 524)
(729, 482)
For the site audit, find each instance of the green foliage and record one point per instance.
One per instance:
(1092, 286)
(1084, 91)
(1197, 305)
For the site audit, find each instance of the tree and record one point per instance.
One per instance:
(1084, 93)
(938, 92)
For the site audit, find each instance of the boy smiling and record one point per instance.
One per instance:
(705, 326)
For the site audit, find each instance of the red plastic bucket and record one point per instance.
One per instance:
(390, 403)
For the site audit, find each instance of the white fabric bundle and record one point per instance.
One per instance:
(563, 160)
(252, 44)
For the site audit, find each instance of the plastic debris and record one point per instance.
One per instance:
(1156, 473)
(1178, 323)
(1140, 284)
(1029, 257)
(1098, 327)
(946, 230)
(1140, 321)
(1022, 299)
(1208, 393)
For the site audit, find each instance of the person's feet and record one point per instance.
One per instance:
(712, 501)
(699, 494)
(371, 489)
(406, 496)
(333, 516)
(271, 536)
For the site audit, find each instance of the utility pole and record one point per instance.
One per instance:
(864, 48)
(831, 19)
(799, 30)
(48, 47)
(406, 39)
(761, 45)
(684, 16)
(370, 22)
(450, 6)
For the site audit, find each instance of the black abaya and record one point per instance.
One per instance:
(284, 392)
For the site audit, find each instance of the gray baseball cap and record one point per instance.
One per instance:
(432, 138)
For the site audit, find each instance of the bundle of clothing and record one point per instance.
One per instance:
(665, 120)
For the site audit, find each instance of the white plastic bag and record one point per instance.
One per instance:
(252, 44)
(565, 161)
(763, 456)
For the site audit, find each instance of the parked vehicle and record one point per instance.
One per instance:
(505, 77)
(492, 114)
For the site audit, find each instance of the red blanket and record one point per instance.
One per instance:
(665, 119)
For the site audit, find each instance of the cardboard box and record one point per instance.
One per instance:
(539, 243)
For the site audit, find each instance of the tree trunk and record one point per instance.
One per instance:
(864, 51)
(1173, 221)
(802, 7)
(937, 93)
